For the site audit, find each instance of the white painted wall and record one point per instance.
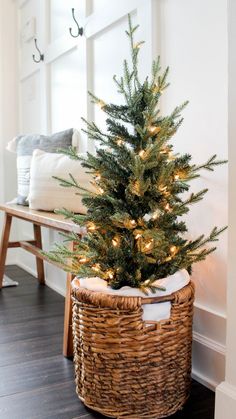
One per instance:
(8, 103)
(193, 42)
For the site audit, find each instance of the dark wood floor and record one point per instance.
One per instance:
(36, 381)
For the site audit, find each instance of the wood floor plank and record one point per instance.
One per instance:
(30, 300)
(54, 402)
(30, 349)
(23, 314)
(36, 381)
(31, 329)
(27, 376)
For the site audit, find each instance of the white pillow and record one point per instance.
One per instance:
(46, 193)
(24, 145)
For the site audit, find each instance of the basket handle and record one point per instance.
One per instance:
(154, 300)
(179, 295)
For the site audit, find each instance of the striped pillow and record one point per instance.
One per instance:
(24, 146)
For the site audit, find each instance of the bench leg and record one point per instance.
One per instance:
(68, 338)
(4, 245)
(39, 262)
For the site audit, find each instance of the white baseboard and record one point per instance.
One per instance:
(54, 287)
(214, 350)
(208, 361)
(205, 381)
(50, 284)
(26, 268)
(225, 407)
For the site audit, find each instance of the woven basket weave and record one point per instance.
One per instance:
(126, 367)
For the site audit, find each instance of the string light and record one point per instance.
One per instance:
(142, 154)
(115, 242)
(170, 156)
(154, 130)
(138, 236)
(130, 224)
(156, 88)
(110, 274)
(167, 207)
(91, 226)
(136, 188)
(101, 104)
(155, 215)
(101, 191)
(164, 150)
(98, 177)
(96, 267)
(148, 245)
(173, 249)
(83, 260)
(120, 141)
(162, 188)
(176, 177)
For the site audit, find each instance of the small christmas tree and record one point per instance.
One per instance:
(134, 235)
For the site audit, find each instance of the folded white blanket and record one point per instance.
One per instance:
(154, 312)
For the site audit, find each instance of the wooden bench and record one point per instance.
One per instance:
(39, 219)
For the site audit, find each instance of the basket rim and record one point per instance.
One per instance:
(78, 290)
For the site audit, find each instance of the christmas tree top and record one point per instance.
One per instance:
(134, 230)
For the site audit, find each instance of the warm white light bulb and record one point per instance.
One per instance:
(148, 245)
(162, 188)
(96, 267)
(101, 104)
(110, 274)
(120, 141)
(167, 207)
(91, 227)
(155, 215)
(173, 249)
(154, 129)
(142, 154)
(115, 242)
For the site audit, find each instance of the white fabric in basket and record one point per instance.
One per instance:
(154, 312)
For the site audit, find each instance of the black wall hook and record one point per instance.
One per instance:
(41, 56)
(80, 30)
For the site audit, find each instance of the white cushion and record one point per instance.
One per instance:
(46, 193)
(24, 145)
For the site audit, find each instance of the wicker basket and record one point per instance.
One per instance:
(126, 367)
